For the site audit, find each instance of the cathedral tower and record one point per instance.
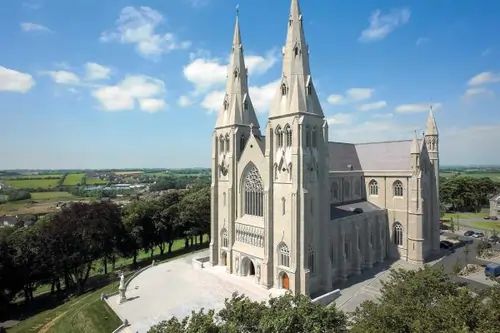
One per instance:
(235, 123)
(432, 144)
(297, 152)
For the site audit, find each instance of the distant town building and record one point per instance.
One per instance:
(495, 205)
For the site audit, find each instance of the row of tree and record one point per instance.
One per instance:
(419, 301)
(468, 194)
(62, 248)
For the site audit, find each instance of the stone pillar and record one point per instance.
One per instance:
(358, 256)
(121, 290)
(382, 246)
(267, 273)
(369, 248)
(342, 262)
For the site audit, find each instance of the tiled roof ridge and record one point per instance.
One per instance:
(369, 143)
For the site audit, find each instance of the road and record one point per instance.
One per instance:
(458, 253)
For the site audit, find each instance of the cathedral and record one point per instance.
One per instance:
(296, 211)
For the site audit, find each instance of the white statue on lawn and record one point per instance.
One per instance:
(121, 290)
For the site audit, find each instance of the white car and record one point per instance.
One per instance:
(478, 235)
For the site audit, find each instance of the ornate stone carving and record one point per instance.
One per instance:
(249, 234)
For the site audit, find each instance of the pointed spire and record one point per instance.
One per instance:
(431, 128)
(415, 146)
(237, 108)
(296, 86)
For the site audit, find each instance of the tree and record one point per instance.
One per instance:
(165, 220)
(425, 300)
(286, 314)
(195, 213)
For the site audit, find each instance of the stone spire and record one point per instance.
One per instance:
(415, 146)
(431, 128)
(237, 108)
(296, 92)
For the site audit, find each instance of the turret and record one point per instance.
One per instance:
(415, 154)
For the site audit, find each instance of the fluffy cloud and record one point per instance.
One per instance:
(351, 95)
(63, 77)
(372, 106)
(261, 97)
(417, 108)
(138, 90)
(473, 93)
(370, 131)
(184, 101)
(95, 71)
(206, 72)
(339, 119)
(421, 41)
(381, 25)
(484, 78)
(14, 81)
(30, 27)
(138, 26)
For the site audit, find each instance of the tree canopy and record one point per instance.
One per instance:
(465, 193)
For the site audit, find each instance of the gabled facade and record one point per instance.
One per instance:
(299, 212)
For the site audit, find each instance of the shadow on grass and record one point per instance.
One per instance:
(20, 311)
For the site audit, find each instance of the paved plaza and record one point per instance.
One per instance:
(175, 289)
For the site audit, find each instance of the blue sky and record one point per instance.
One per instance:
(98, 84)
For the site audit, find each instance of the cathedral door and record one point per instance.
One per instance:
(224, 258)
(285, 283)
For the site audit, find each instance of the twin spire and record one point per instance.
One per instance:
(296, 91)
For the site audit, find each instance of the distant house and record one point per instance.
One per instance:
(495, 205)
(6, 221)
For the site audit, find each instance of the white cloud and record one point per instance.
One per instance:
(472, 93)
(372, 131)
(421, 40)
(30, 27)
(381, 25)
(417, 108)
(206, 73)
(339, 119)
(261, 97)
(335, 99)
(152, 105)
(142, 90)
(184, 101)
(138, 26)
(372, 106)
(383, 116)
(351, 95)
(197, 3)
(63, 77)
(95, 71)
(14, 81)
(484, 78)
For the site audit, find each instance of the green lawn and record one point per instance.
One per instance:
(96, 181)
(480, 215)
(486, 225)
(73, 179)
(36, 176)
(50, 195)
(493, 175)
(32, 183)
(87, 313)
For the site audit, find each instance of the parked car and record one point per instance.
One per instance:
(446, 245)
(493, 239)
(494, 218)
(478, 235)
(486, 217)
(492, 270)
(469, 233)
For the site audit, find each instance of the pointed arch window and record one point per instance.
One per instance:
(312, 260)
(227, 143)
(283, 206)
(334, 191)
(279, 136)
(314, 138)
(224, 236)
(235, 73)
(284, 255)
(226, 104)
(283, 89)
(245, 105)
(224, 198)
(397, 229)
(296, 51)
(242, 142)
(347, 188)
(253, 194)
(308, 136)
(397, 188)
(373, 187)
(221, 144)
(309, 89)
(288, 133)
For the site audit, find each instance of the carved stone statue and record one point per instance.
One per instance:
(121, 290)
(258, 271)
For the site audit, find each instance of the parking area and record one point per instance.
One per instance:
(481, 278)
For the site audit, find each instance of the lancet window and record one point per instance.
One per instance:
(253, 195)
(283, 255)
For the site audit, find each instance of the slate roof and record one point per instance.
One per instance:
(374, 156)
(337, 212)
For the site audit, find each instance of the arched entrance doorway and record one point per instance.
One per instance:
(247, 267)
(251, 268)
(224, 259)
(285, 282)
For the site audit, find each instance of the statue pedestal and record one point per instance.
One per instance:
(122, 297)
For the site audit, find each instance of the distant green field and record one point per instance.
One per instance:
(73, 179)
(96, 181)
(32, 183)
(37, 176)
(492, 175)
(50, 195)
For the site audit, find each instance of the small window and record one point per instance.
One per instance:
(311, 260)
(309, 89)
(373, 187)
(397, 188)
(279, 136)
(235, 73)
(314, 138)
(308, 137)
(224, 200)
(225, 105)
(227, 143)
(296, 51)
(283, 206)
(283, 89)
(245, 105)
(284, 255)
(242, 142)
(288, 132)
(221, 144)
